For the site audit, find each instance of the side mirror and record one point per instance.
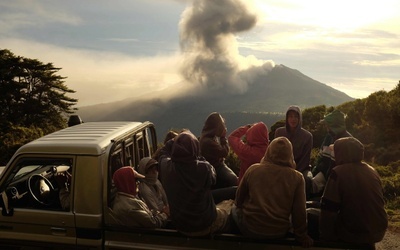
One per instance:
(6, 210)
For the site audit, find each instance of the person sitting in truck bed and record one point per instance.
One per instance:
(249, 143)
(353, 206)
(128, 208)
(151, 189)
(214, 148)
(170, 135)
(187, 179)
(271, 198)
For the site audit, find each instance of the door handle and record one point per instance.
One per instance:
(59, 231)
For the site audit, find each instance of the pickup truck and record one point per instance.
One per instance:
(32, 216)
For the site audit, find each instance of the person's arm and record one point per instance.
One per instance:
(145, 218)
(63, 182)
(324, 157)
(223, 150)
(148, 197)
(242, 191)
(213, 174)
(163, 194)
(299, 215)
(65, 199)
(304, 161)
(214, 149)
(330, 206)
(241, 149)
(237, 134)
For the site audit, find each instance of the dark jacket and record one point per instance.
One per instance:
(352, 207)
(213, 143)
(335, 122)
(187, 180)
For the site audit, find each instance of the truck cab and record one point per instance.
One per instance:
(32, 210)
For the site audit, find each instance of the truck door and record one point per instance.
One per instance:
(35, 204)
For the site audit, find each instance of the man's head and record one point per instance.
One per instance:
(293, 119)
(280, 152)
(125, 180)
(348, 150)
(186, 148)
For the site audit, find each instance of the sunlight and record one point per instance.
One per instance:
(339, 14)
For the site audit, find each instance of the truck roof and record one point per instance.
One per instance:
(89, 138)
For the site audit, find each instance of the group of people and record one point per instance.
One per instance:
(187, 184)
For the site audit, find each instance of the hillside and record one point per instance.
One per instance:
(266, 99)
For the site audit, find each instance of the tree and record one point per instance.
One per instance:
(32, 96)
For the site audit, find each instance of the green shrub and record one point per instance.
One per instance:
(391, 187)
(233, 162)
(384, 171)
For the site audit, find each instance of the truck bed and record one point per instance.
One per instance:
(172, 239)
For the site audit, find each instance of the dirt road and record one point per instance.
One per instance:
(391, 240)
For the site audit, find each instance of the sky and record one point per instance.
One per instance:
(112, 50)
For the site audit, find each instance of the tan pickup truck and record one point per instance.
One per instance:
(33, 216)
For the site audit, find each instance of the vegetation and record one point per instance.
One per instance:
(33, 101)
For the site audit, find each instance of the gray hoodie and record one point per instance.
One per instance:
(301, 139)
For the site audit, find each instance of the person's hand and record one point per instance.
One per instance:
(166, 210)
(307, 242)
(62, 179)
(223, 134)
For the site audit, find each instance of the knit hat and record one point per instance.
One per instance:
(335, 121)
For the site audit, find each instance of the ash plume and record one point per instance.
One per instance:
(208, 42)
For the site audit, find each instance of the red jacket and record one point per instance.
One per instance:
(252, 148)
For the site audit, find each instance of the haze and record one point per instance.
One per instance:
(111, 50)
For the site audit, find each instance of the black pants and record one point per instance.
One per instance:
(221, 194)
(225, 176)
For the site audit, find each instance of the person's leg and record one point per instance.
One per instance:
(221, 194)
(313, 215)
(225, 176)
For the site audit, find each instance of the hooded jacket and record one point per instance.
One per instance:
(271, 195)
(336, 125)
(301, 139)
(187, 181)
(213, 144)
(151, 189)
(128, 209)
(352, 207)
(253, 149)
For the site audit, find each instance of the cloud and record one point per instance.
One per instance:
(100, 77)
(210, 51)
(20, 14)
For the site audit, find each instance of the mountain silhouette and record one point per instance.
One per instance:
(266, 99)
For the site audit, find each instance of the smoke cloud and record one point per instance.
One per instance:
(208, 42)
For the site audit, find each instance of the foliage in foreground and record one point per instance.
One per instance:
(33, 101)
